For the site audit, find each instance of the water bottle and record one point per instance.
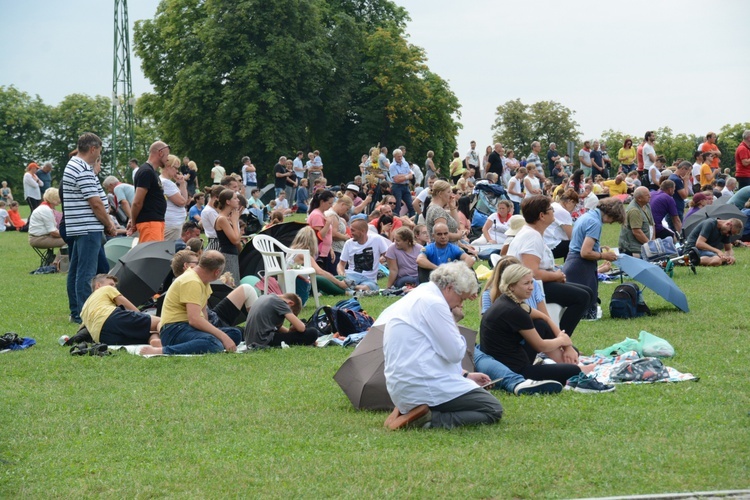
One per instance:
(63, 339)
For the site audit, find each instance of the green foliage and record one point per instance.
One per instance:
(730, 136)
(22, 122)
(518, 125)
(293, 74)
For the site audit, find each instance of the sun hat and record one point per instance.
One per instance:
(515, 224)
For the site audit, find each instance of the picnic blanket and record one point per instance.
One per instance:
(606, 369)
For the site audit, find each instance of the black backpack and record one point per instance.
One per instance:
(322, 320)
(627, 302)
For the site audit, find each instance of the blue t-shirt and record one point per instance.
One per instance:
(678, 201)
(589, 224)
(438, 256)
(596, 160)
(194, 210)
(302, 196)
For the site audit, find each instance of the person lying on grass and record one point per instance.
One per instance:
(265, 322)
(184, 326)
(112, 319)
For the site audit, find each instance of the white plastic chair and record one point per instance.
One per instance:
(275, 263)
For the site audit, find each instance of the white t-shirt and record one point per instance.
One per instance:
(3, 216)
(497, 230)
(218, 173)
(555, 233)
(514, 184)
(473, 158)
(591, 201)
(249, 177)
(696, 171)
(423, 350)
(648, 148)
(423, 195)
(174, 216)
(534, 184)
(364, 259)
(208, 219)
(653, 173)
(42, 221)
(281, 204)
(529, 241)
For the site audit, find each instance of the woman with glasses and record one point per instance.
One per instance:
(528, 246)
(626, 157)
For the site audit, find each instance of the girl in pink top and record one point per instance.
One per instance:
(321, 201)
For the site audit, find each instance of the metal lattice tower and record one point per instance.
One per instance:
(123, 128)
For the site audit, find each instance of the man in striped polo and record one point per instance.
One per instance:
(86, 219)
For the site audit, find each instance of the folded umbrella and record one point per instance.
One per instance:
(142, 270)
(362, 376)
(653, 277)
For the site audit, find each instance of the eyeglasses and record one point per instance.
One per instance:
(166, 146)
(391, 203)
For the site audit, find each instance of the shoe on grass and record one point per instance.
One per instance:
(587, 384)
(529, 387)
(417, 417)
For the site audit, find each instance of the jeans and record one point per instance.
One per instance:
(361, 279)
(494, 369)
(406, 280)
(302, 289)
(181, 338)
(402, 193)
(277, 191)
(84, 262)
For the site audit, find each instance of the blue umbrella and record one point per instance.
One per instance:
(653, 277)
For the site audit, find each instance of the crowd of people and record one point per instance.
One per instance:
(395, 219)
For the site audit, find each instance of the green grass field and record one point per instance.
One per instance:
(275, 424)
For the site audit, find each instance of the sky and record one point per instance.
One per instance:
(623, 65)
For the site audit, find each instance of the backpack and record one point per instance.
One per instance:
(321, 320)
(658, 249)
(627, 302)
(348, 317)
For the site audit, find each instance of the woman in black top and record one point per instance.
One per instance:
(228, 231)
(508, 334)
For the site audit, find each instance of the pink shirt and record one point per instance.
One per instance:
(317, 220)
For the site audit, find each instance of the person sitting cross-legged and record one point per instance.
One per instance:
(112, 319)
(184, 326)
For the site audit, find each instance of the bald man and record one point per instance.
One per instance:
(638, 227)
(149, 203)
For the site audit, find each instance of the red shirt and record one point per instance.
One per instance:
(742, 153)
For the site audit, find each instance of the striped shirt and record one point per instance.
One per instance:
(79, 183)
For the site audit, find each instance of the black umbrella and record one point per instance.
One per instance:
(722, 211)
(251, 261)
(692, 222)
(142, 270)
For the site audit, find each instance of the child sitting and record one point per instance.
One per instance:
(266, 318)
(16, 222)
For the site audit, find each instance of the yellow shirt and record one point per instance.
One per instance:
(97, 309)
(626, 156)
(706, 175)
(187, 289)
(457, 167)
(614, 188)
(596, 188)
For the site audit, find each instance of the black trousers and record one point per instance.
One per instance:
(576, 298)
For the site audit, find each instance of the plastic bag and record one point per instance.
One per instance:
(625, 346)
(640, 370)
(652, 346)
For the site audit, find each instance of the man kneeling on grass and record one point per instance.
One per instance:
(112, 319)
(184, 327)
(423, 351)
(265, 322)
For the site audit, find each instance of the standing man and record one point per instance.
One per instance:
(218, 172)
(536, 148)
(742, 161)
(401, 174)
(423, 350)
(472, 157)
(315, 170)
(86, 220)
(149, 203)
(639, 223)
(584, 157)
(605, 158)
(280, 175)
(710, 147)
(597, 161)
(45, 176)
(383, 164)
(552, 157)
(134, 166)
(249, 176)
(649, 153)
(495, 161)
(299, 166)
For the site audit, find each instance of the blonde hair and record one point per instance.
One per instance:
(345, 200)
(173, 161)
(305, 239)
(52, 196)
(493, 284)
(192, 165)
(512, 275)
(439, 187)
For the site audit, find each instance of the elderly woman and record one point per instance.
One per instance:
(528, 246)
(430, 170)
(44, 222)
(585, 249)
(31, 186)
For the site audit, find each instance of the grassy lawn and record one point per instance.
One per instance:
(275, 424)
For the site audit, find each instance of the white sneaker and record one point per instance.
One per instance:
(528, 387)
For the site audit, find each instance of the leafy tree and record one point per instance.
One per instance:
(264, 79)
(729, 138)
(23, 119)
(518, 125)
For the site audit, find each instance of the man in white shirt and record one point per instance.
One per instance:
(360, 257)
(218, 172)
(472, 157)
(423, 350)
(299, 166)
(649, 153)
